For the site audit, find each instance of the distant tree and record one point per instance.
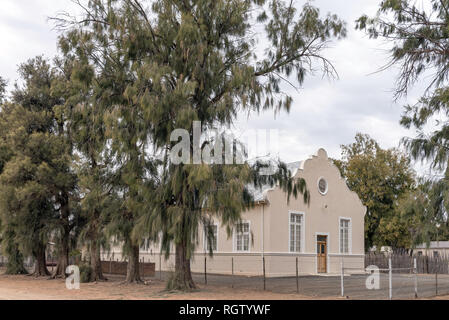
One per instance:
(380, 178)
(422, 213)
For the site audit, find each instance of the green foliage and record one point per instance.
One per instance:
(75, 253)
(144, 71)
(423, 213)
(380, 178)
(11, 250)
(420, 36)
(36, 171)
(85, 273)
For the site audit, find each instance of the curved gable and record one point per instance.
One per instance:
(320, 166)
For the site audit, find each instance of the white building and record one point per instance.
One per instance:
(321, 235)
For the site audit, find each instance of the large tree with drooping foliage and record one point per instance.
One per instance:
(419, 37)
(104, 66)
(93, 162)
(380, 178)
(196, 61)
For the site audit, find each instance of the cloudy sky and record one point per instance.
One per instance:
(325, 113)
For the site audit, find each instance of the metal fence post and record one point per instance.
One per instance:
(297, 275)
(205, 270)
(160, 266)
(415, 271)
(342, 282)
(264, 276)
(436, 278)
(232, 272)
(390, 279)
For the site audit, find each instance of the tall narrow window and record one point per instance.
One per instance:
(242, 237)
(295, 232)
(345, 226)
(211, 244)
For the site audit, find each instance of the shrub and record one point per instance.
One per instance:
(85, 273)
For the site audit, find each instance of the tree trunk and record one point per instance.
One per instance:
(133, 270)
(95, 262)
(40, 265)
(63, 256)
(63, 259)
(183, 276)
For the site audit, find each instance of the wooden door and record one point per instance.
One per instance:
(322, 254)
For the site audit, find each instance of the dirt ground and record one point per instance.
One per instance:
(29, 288)
(219, 288)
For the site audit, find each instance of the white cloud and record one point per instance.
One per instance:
(26, 32)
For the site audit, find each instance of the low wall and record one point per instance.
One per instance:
(251, 264)
(119, 268)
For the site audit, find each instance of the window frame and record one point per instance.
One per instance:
(235, 237)
(349, 220)
(302, 244)
(318, 186)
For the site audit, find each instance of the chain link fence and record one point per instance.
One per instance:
(384, 277)
(391, 276)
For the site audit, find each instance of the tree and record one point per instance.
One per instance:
(97, 203)
(37, 179)
(124, 137)
(420, 38)
(194, 61)
(423, 212)
(8, 240)
(25, 203)
(380, 178)
(94, 163)
(66, 219)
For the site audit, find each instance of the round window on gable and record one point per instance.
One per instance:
(322, 186)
